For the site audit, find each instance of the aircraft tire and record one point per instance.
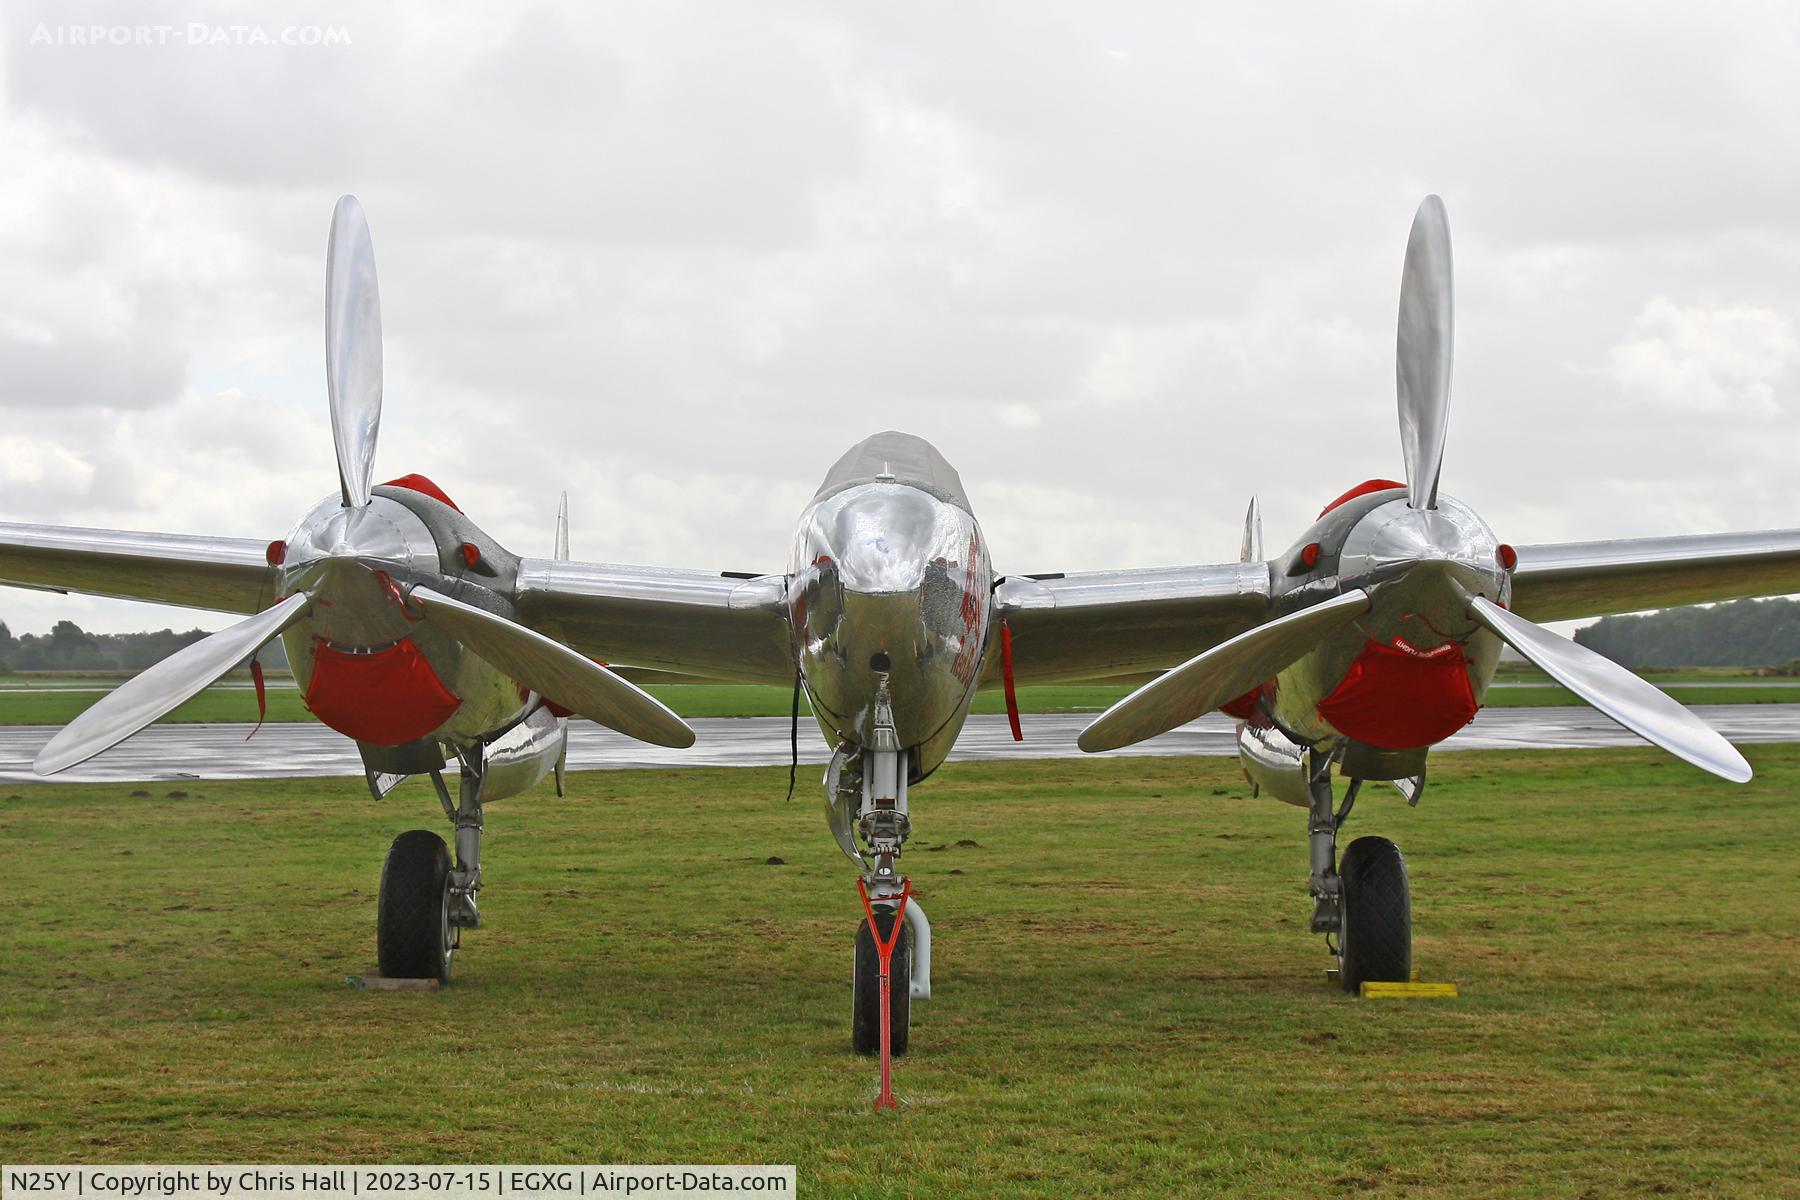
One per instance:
(865, 1014)
(1375, 944)
(413, 938)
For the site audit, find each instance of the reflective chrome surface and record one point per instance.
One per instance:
(555, 671)
(1424, 345)
(224, 574)
(1119, 624)
(1396, 537)
(518, 759)
(353, 349)
(1615, 691)
(1221, 674)
(1251, 548)
(695, 623)
(888, 578)
(1593, 579)
(1275, 763)
(1417, 566)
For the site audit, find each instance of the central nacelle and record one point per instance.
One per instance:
(889, 580)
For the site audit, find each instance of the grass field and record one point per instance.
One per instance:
(1126, 1002)
(40, 705)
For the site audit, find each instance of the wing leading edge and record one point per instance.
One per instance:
(226, 574)
(1126, 624)
(1595, 579)
(689, 623)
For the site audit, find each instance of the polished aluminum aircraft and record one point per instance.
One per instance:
(1374, 637)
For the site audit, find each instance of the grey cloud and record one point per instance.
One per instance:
(77, 372)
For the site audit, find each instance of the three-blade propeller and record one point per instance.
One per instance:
(1422, 377)
(353, 381)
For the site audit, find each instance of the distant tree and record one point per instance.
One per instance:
(1742, 633)
(68, 647)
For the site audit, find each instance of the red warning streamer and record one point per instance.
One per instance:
(884, 955)
(1006, 677)
(262, 697)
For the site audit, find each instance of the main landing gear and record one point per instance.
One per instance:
(1364, 901)
(427, 899)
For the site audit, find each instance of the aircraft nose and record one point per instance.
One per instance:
(883, 537)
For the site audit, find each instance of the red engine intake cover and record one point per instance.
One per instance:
(1398, 698)
(387, 698)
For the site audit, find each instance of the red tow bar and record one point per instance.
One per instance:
(884, 957)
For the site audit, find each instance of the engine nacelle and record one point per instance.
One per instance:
(1275, 763)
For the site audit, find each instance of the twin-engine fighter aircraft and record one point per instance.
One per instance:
(418, 636)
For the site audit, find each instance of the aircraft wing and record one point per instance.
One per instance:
(690, 623)
(1121, 624)
(1595, 579)
(227, 574)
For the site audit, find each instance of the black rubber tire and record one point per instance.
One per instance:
(412, 933)
(865, 1009)
(1375, 944)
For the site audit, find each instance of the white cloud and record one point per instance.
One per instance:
(1124, 267)
(1734, 359)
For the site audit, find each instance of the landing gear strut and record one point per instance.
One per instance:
(427, 899)
(1364, 902)
(865, 805)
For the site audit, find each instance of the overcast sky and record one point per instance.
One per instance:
(1123, 268)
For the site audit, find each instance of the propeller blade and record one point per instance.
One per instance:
(1221, 674)
(551, 669)
(1640, 707)
(145, 697)
(353, 349)
(1427, 332)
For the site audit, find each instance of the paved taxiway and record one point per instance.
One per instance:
(172, 752)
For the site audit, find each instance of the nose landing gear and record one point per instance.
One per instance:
(865, 805)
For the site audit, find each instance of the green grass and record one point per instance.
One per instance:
(37, 707)
(1126, 1000)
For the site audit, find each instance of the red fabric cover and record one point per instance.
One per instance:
(1362, 489)
(424, 486)
(1244, 707)
(1398, 697)
(386, 698)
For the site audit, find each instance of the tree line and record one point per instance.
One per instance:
(69, 647)
(1741, 633)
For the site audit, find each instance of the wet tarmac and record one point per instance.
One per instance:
(174, 752)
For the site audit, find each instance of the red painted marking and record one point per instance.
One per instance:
(884, 957)
(1399, 697)
(1006, 677)
(424, 486)
(262, 698)
(1244, 707)
(1362, 489)
(387, 697)
(276, 553)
